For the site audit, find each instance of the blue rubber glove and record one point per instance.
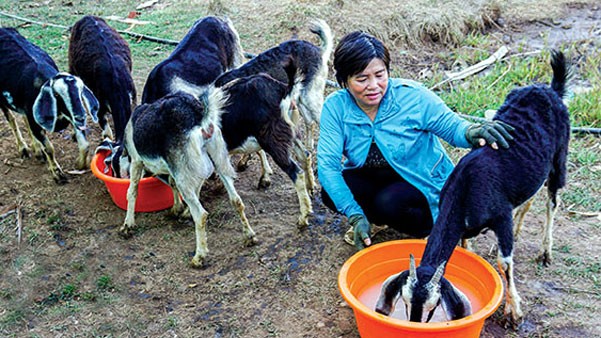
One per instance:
(490, 132)
(362, 229)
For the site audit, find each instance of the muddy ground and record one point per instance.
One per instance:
(71, 275)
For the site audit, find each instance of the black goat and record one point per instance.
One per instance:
(481, 193)
(253, 120)
(211, 47)
(310, 64)
(102, 59)
(179, 136)
(32, 85)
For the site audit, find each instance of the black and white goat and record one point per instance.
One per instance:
(32, 85)
(179, 136)
(481, 193)
(253, 120)
(310, 64)
(211, 47)
(102, 59)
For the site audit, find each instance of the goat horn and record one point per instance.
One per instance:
(412, 273)
(438, 273)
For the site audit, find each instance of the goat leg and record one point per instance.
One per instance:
(236, 201)
(36, 144)
(304, 200)
(57, 172)
(242, 164)
(305, 158)
(137, 170)
(199, 215)
(513, 312)
(519, 214)
(83, 146)
(266, 171)
(21, 145)
(545, 256)
(179, 210)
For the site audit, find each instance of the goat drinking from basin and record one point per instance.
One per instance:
(210, 47)
(102, 59)
(481, 193)
(179, 136)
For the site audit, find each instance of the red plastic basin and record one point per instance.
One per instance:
(153, 194)
(362, 275)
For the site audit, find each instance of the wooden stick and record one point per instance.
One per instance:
(480, 66)
(19, 223)
(499, 78)
(8, 210)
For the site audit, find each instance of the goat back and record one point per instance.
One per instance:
(253, 106)
(24, 68)
(303, 55)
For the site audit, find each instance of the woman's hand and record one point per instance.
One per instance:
(493, 132)
(362, 228)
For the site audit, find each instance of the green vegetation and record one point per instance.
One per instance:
(105, 283)
(487, 90)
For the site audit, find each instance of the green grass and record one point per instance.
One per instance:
(488, 89)
(105, 283)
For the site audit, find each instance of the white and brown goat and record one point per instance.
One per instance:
(102, 59)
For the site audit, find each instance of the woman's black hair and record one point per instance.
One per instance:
(354, 52)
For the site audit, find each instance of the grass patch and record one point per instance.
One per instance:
(12, 318)
(486, 91)
(105, 283)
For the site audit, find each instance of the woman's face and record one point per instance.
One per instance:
(369, 86)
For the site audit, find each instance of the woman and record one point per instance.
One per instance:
(387, 131)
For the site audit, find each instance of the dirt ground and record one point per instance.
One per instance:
(71, 275)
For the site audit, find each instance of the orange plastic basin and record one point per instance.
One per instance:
(362, 275)
(153, 194)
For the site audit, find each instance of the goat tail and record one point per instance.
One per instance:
(214, 99)
(561, 74)
(323, 30)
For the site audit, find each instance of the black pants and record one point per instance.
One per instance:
(386, 198)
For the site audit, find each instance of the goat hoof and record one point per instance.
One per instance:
(182, 215)
(126, 232)
(544, 258)
(197, 262)
(303, 223)
(60, 178)
(82, 165)
(40, 157)
(513, 317)
(240, 167)
(24, 153)
(264, 183)
(248, 242)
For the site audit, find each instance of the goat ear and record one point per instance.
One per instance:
(392, 290)
(44, 108)
(455, 303)
(90, 102)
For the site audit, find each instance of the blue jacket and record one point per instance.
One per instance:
(406, 129)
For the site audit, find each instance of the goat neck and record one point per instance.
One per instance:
(443, 239)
